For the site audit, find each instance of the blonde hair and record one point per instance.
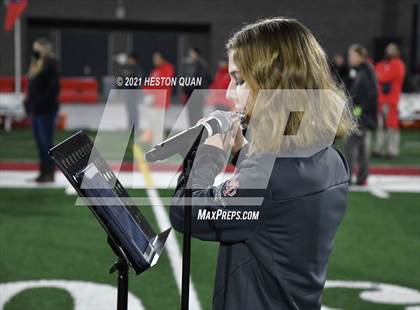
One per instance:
(36, 65)
(282, 54)
(360, 50)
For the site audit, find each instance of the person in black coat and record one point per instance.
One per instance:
(195, 68)
(41, 103)
(276, 218)
(364, 93)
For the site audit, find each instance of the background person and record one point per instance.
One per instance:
(278, 261)
(217, 99)
(364, 92)
(157, 98)
(132, 69)
(195, 67)
(390, 73)
(41, 103)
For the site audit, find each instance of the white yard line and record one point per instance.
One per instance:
(172, 247)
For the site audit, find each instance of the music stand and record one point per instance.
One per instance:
(130, 236)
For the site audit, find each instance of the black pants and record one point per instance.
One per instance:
(132, 101)
(356, 152)
(43, 127)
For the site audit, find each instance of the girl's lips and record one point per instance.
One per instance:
(240, 108)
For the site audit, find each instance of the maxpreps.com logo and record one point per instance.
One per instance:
(227, 215)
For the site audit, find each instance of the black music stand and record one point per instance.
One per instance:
(188, 205)
(129, 234)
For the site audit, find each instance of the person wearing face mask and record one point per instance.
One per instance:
(276, 218)
(41, 103)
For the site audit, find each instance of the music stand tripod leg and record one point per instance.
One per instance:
(122, 267)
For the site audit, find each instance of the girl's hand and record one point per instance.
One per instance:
(232, 140)
(221, 141)
(215, 140)
(239, 139)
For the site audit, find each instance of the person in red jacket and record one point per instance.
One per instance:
(217, 96)
(390, 73)
(157, 95)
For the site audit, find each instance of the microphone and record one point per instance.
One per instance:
(181, 143)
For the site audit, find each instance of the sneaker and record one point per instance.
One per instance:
(361, 182)
(47, 177)
(37, 179)
(392, 157)
(146, 137)
(377, 154)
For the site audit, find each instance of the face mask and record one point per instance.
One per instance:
(36, 55)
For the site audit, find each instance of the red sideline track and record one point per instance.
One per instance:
(165, 167)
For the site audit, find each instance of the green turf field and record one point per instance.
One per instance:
(44, 236)
(19, 144)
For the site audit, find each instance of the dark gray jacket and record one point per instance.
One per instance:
(278, 261)
(43, 89)
(364, 92)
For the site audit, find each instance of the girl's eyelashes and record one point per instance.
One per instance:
(239, 82)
